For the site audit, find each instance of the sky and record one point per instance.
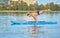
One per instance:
(47, 1)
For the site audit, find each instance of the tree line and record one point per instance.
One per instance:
(24, 6)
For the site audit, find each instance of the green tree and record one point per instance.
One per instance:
(13, 5)
(2, 6)
(31, 7)
(36, 6)
(41, 7)
(52, 6)
(57, 7)
(47, 6)
(23, 6)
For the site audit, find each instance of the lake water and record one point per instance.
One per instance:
(25, 31)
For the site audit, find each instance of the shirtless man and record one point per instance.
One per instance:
(34, 15)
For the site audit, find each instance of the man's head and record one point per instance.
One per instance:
(28, 14)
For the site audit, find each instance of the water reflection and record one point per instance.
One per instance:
(35, 31)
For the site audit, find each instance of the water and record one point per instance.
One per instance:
(25, 31)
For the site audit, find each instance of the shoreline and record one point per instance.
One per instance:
(22, 11)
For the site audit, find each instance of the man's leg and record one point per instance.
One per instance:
(35, 18)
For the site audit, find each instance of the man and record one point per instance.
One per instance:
(34, 15)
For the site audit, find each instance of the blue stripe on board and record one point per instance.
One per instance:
(32, 23)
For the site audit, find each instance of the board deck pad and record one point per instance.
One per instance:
(33, 23)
